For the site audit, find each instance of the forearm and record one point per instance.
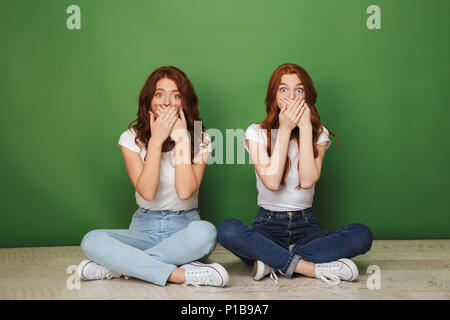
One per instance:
(148, 181)
(307, 173)
(185, 180)
(274, 172)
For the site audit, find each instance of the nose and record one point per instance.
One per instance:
(292, 95)
(167, 100)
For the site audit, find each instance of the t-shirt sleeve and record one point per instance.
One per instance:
(254, 133)
(127, 140)
(324, 136)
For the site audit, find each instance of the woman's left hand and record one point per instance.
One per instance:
(305, 119)
(180, 126)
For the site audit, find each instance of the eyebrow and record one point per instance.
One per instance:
(165, 90)
(284, 84)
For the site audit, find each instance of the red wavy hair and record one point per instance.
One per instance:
(272, 109)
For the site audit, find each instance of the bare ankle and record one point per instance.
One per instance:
(177, 276)
(306, 268)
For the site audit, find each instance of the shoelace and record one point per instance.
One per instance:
(331, 279)
(202, 277)
(106, 273)
(274, 277)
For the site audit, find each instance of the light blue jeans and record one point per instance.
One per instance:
(154, 245)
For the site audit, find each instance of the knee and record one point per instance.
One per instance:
(228, 229)
(89, 240)
(203, 231)
(365, 237)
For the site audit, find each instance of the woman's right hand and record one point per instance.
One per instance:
(161, 127)
(290, 112)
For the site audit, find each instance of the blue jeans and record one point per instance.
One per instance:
(154, 245)
(281, 238)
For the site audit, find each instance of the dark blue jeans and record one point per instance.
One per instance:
(281, 238)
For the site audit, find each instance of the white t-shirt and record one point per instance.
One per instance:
(286, 198)
(166, 197)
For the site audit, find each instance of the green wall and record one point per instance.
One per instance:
(67, 95)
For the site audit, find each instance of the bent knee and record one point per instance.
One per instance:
(365, 236)
(203, 231)
(89, 238)
(228, 229)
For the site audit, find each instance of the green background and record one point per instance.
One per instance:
(67, 95)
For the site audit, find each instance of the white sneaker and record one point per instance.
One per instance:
(199, 274)
(260, 270)
(89, 270)
(192, 265)
(335, 271)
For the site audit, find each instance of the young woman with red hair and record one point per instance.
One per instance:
(288, 149)
(165, 160)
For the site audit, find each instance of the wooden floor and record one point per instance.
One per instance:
(408, 269)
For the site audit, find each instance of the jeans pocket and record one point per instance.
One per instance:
(261, 219)
(191, 215)
(139, 212)
(310, 219)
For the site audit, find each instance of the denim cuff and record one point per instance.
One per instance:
(162, 278)
(295, 258)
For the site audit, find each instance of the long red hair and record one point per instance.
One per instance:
(272, 109)
(189, 103)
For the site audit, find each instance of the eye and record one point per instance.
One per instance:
(176, 96)
(159, 95)
(299, 90)
(283, 89)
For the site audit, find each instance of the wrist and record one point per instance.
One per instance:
(182, 150)
(154, 143)
(305, 127)
(285, 130)
(181, 137)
